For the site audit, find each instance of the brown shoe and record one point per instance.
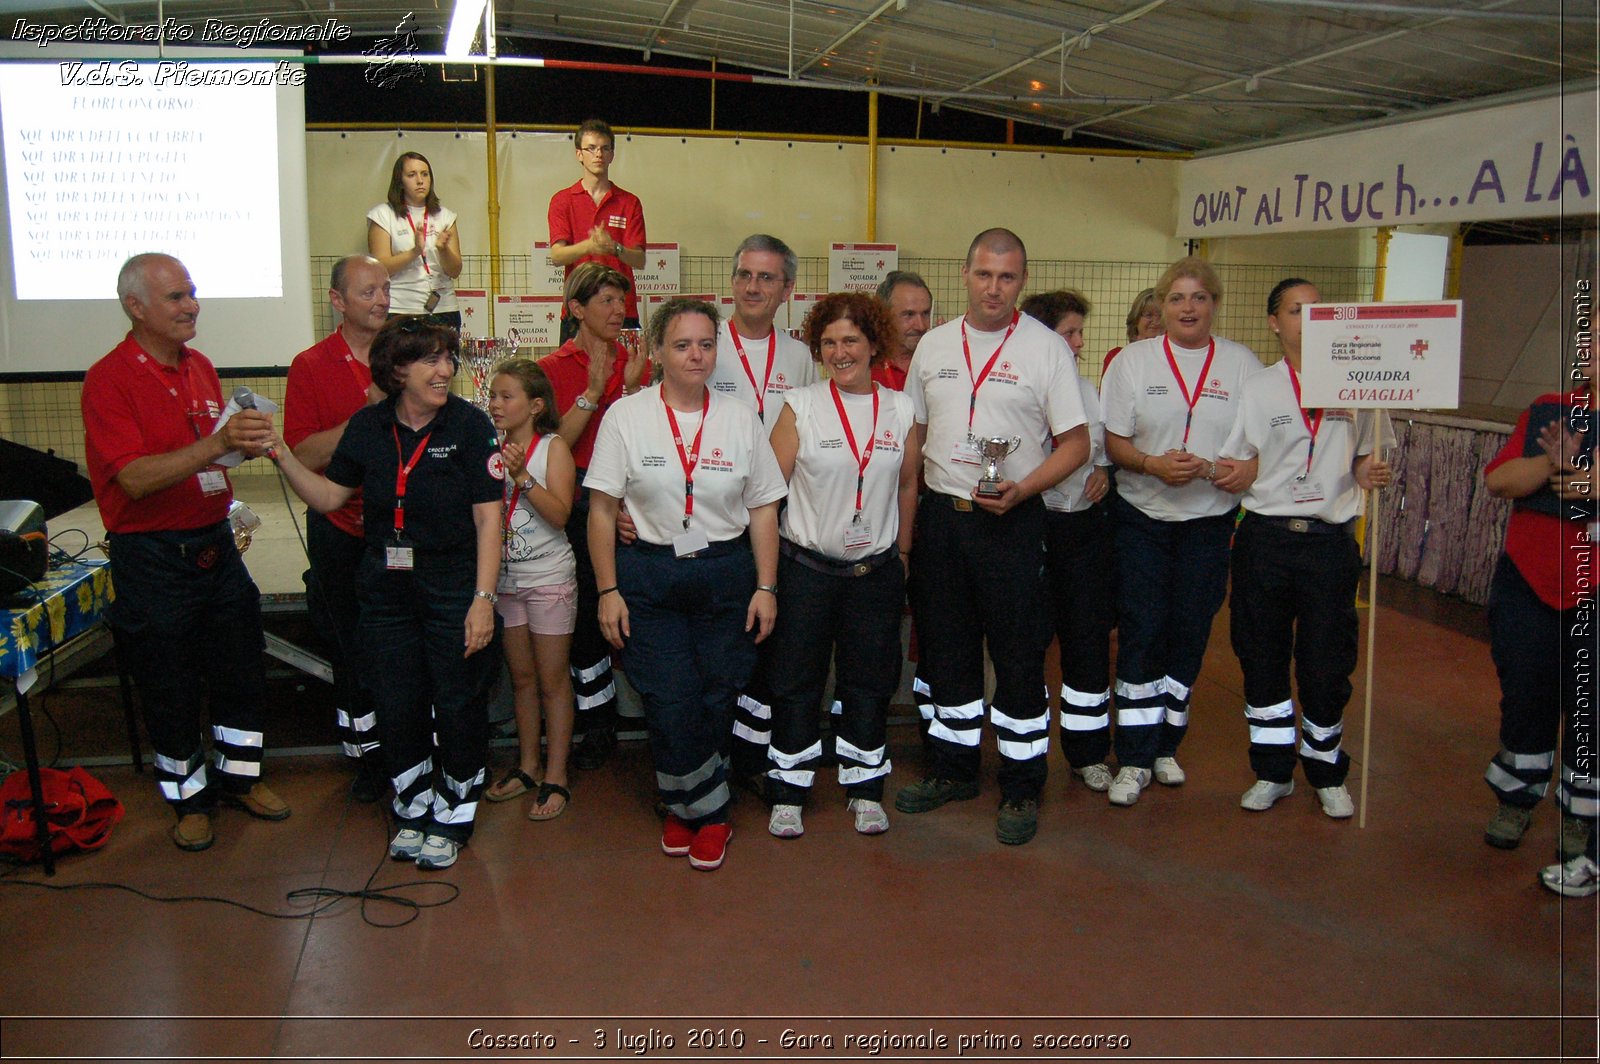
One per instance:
(192, 832)
(259, 802)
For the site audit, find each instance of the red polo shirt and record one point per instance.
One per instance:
(1549, 551)
(327, 383)
(574, 214)
(134, 407)
(568, 370)
(889, 375)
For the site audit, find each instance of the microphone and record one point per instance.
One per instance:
(246, 400)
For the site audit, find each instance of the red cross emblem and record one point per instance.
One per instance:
(661, 264)
(550, 316)
(469, 310)
(716, 452)
(780, 377)
(1216, 382)
(1419, 348)
(1006, 366)
(888, 435)
(880, 264)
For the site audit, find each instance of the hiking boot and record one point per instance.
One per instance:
(1505, 829)
(928, 794)
(1574, 838)
(1018, 821)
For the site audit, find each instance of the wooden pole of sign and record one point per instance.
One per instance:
(1374, 528)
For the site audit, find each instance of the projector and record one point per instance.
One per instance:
(24, 545)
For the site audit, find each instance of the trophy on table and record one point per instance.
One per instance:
(994, 450)
(481, 354)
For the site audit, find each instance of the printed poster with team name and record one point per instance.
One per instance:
(860, 267)
(536, 320)
(474, 306)
(1381, 355)
(545, 278)
(659, 275)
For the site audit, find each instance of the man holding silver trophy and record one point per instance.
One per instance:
(988, 390)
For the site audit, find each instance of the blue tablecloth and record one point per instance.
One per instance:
(75, 599)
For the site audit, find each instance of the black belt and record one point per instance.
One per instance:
(833, 566)
(712, 550)
(954, 502)
(1305, 525)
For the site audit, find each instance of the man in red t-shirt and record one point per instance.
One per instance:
(910, 304)
(328, 382)
(187, 615)
(595, 220)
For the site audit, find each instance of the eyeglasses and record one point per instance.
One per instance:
(742, 276)
(603, 149)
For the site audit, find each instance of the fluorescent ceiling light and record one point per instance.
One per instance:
(463, 27)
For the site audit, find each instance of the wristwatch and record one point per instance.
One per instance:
(584, 404)
(488, 596)
(526, 485)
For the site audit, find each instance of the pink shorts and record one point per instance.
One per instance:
(548, 610)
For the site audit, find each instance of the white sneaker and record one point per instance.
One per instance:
(406, 845)
(870, 817)
(1263, 794)
(1169, 772)
(785, 822)
(1336, 802)
(1124, 790)
(1578, 878)
(438, 852)
(1095, 777)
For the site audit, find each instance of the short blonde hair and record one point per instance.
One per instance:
(1195, 268)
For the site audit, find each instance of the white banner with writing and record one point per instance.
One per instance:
(545, 278)
(1533, 159)
(535, 317)
(659, 274)
(860, 267)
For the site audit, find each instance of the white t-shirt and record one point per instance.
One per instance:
(1030, 394)
(1271, 426)
(533, 553)
(408, 289)
(822, 490)
(1067, 496)
(791, 365)
(635, 459)
(1144, 402)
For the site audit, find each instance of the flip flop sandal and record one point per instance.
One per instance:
(526, 783)
(546, 791)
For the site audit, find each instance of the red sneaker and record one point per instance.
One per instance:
(676, 837)
(710, 846)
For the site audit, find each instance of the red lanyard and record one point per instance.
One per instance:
(401, 475)
(1312, 423)
(772, 357)
(181, 391)
(691, 457)
(421, 241)
(351, 362)
(516, 488)
(850, 439)
(1199, 386)
(977, 382)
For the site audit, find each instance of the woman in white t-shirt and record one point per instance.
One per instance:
(846, 447)
(1169, 403)
(538, 582)
(416, 240)
(687, 601)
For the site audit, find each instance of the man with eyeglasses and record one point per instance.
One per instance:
(595, 220)
(757, 363)
(187, 615)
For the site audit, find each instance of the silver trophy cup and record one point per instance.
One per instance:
(994, 450)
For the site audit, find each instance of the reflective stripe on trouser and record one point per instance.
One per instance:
(1171, 579)
(752, 727)
(854, 623)
(594, 687)
(1545, 659)
(188, 621)
(1080, 577)
(1293, 603)
(923, 698)
(688, 656)
(976, 579)
(432, 703)
(334, 608)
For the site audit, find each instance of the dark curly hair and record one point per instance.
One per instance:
(862, 311)
(1050, 307)
(403, 341)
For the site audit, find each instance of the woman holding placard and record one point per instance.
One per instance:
(1296, 564)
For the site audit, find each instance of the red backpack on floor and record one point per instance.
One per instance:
(79, 810)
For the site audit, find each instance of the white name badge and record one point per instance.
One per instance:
(858, 534)
(212, 481)
(965, 452)
(689, 541)
(1306, 491)
(397, 557)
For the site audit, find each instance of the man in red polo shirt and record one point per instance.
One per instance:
(595, 220)
(590, 372)
(910, 303)
(328, 382)
(186, 614)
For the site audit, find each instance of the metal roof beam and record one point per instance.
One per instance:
(851, 32)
